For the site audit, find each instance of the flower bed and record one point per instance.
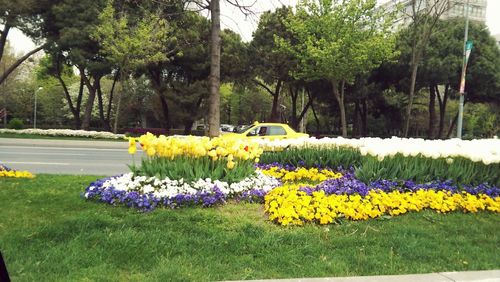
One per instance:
(65, 133)
(477, 150)
(291, 204)
(146, 193)
(465, 162)
(194, 158)
(8, 172)
(299, 186)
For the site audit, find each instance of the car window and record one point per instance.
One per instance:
(276, 130)
(242, 129)
(254, 131)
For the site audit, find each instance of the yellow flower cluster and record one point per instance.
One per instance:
(197, 147)
(287, 205)
(301, 174)
(16, 174)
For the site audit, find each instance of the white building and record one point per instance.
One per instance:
(497, 39)
(454, 9)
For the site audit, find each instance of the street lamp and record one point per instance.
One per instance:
(34, 112)
(467, 50)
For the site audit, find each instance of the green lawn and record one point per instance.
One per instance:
(47, 231)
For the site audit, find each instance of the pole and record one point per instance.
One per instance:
(462, 79)
(34, 112)
(302, 129)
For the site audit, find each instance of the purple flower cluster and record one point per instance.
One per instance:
(253, 196)
(288, 167)
(4, 168)
(347, 184)
(275, 164)
(148, 202)
(448, 185)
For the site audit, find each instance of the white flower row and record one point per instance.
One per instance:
(167, 188)
(65, 132)
(478, 150)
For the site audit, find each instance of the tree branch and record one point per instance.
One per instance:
(4, 75)
(263, 86)
(3, 38)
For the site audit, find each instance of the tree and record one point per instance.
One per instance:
(23, 15)
(423, 15)
(60, 70)
(440, 69)
(269, 64)
(67, 28)
(131, 45)
(336, 41)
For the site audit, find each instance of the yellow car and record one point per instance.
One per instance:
(266, 130)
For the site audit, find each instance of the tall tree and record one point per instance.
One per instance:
(131, 44)
(270, 65)
(68, 37)
(423, 15)
(338, 40)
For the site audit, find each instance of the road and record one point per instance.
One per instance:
(66, 156)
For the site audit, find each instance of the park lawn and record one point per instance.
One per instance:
(47, 231)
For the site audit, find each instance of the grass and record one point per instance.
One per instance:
(36, 136)
(47, 230)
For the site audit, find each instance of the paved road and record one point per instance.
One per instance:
(66, 156)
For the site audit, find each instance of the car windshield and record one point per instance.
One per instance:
(243, 129)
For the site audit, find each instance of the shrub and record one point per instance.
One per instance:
(15, 123)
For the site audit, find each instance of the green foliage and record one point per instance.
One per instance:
(338, 40)
(368, 168)
(421, 169)
(310, 157)
(72, 240)
(481, 120)
(268, 62)
(15, 123)
(193, 169)
(131, 44)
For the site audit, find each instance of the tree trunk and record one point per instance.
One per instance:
(110, 102)
(303, 112)
(214, 98)
(275, 115)
(414, 69)
(356, 132)
(78, 121)
(118, 104)
(3, 37)
(90, 101)
(339, 95)
(293, 112)
(74, 111)
(166, 113)
(452, 125)
(100, 103)
(318, 124)
(187, 127)
(364, 118)
(432, 112)
(442, 109)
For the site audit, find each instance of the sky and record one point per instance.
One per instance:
(234, 19)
